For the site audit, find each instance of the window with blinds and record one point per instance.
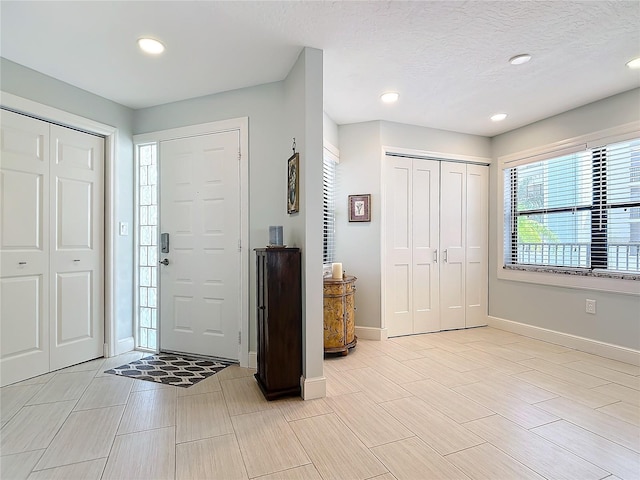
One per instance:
(580, 210)
(328, 207)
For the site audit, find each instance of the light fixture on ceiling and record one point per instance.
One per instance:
(498, 117)
(390, 97)
(520, 59)
(635, 63)
(150, 46)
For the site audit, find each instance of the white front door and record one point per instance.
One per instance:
(77, 239)
(24, 247)
(200, 286)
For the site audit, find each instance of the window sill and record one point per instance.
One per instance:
(614, 282)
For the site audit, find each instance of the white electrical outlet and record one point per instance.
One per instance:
(590, 306)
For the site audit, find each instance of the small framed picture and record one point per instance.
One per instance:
(293, 184)
(360, 208)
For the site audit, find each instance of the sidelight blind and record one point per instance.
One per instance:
(579, 210)
(328, 206)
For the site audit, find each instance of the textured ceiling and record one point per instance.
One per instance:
(447, 59)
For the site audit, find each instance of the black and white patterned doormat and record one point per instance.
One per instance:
(171, 369)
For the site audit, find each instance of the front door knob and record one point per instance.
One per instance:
(165, 261)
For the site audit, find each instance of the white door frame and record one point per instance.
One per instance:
(53, 115)
(242, 125)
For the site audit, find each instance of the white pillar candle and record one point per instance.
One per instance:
(336, 270)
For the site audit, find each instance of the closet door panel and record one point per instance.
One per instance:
(425, 226)
(452, 242)
(77, 240)
(399, 270)
(24, 240)
(476, 279)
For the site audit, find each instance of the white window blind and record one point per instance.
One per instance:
(328, 207)
(580, 210)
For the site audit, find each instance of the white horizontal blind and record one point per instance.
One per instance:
(328, 208)
(580, 210)
(620, 214)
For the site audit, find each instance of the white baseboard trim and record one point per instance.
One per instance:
(607, 350)
(313, 387)
(371, 333)
(253, 360)
(125, 345)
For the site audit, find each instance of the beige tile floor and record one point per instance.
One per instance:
(470, 404)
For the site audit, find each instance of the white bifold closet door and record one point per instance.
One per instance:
(412, 224)
(464, 242)
(51, 247)
(436, 256)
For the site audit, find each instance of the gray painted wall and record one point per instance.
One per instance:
(563, 309)
(330, 130)
(26, 83)
(304, 122)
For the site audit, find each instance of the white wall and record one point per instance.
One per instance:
(304, 122)
(433, 140)
(26, 83)
(358, 245)
(329, 130)
(617, 320)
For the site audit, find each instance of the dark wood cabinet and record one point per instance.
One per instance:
(279, 319)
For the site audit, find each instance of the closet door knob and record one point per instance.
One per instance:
(22, 263)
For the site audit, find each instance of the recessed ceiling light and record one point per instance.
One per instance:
(150, 45)
(635, 63)
(390, 97)
(520, 59)
(498, 117)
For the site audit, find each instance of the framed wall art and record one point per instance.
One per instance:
(293, 184)
(360, 208)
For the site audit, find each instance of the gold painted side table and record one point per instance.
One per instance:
(339, 315)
